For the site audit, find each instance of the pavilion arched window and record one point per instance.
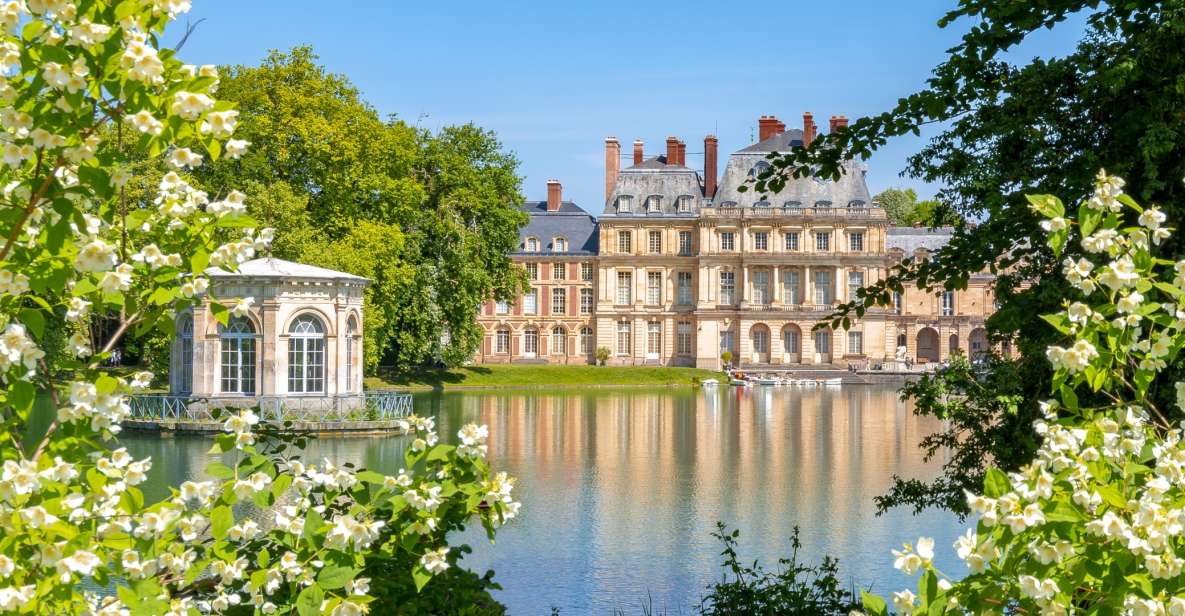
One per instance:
(306, 356)
(185, 336)
(351, 351)
(238, 348)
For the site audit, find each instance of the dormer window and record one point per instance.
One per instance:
(559, 244)
(684, 204)
(822, 205)
(857, 204)
(653, 204)
(531, 245)
(728, 204)
(761, 203)
(758, 169)
(795, 206)
(624, 204)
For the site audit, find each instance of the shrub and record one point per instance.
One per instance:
(1094, 524)
(726, 358)
(603, 354)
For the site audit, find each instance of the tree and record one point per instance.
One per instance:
(101, 216)
(1041, 127)
(324, 169)
(898, 203)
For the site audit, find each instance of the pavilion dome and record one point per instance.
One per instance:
(271, 267)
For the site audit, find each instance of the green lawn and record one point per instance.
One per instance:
(493, 376)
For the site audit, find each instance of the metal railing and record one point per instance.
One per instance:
(368, 406)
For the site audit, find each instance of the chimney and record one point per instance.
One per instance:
(840, 122)
(612, 164)
(637, 151)
(554, 195)
(710, 166)
(780, 127)
(682, 153)
(831, 126)
(672, 150)
(808, 129)
(767, 126)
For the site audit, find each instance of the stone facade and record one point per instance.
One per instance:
(683, 268)
(300, 342)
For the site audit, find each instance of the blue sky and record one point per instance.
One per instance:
(554, 79)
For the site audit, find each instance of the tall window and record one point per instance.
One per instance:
(531, 245)
(653, 339)
(683, 288)
(855, 343)
(238, 357)
(625, 288)
(586, 301)
(791, 288)
(502, 341)
(948, 303)
(625, 242)
(760, 341)
(760, 287)
(559, 345)
(823, 341)
(532, 271)
(898, 308)
(306, 355)
(186, 354)
(586, 337)
(683, 338)
(789, 341)
(351, 340)
(792, 241)
(653, 288)
(855, 242)
(855, 283)
(586, 272)
(823, 288)
(531, 301)
(761, 240)
(655, 242)
(728, 241)
(823, 241)
(685, 243)
(728, 287)
(530, 342)
(559, 244)
(502, 307)
(727, 342)
(559, 271)
(559, 300)
(623, 338)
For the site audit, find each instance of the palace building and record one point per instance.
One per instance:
(681, 265)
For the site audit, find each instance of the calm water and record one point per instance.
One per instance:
(621, 489)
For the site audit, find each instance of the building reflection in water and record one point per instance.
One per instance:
(621, 489)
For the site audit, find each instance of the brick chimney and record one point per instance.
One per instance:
(831, 126)
(637, 151)
(780, 127)
(767, 126)
(808, 129)
(710, 144)
(682, 153)
(555, 194)
(840, 122)
(672, 150)
(612, 164)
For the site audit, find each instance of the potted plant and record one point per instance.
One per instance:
(602, 355)
(726, 359)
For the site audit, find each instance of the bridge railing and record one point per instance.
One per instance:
(368, 406)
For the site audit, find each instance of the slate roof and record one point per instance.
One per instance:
(778, 143)
(570, 222)
(654, 177)
(909, 239)
(271, 267)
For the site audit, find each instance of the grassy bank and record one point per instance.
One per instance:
(494, 376)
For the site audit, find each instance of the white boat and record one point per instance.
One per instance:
(837, 381)
(709, 383)
(738, 383)
(764, 380)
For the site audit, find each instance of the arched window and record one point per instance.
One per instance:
(531, 245)
(586, 340)
(762, 203)
(758, 169)
(822, 205)
(351, 341)
(728, 204)
(559, 244)
(792, 205)
(185, 336)
(306, 356)
(559, 345)
(237, 341)
(857, 204)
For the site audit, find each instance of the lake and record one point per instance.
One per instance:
(621, 489)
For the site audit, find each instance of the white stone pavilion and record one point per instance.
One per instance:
(299, 345)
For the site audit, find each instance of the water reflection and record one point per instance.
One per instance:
(622, 489)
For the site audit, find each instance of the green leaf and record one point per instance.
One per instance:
(218, 470)
(221, 519)
(34, 320)
(421, 576)
(995, 483)
(308, 603)
(41, 417)
(333, 577)
(1112, 496)
(873, 605)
